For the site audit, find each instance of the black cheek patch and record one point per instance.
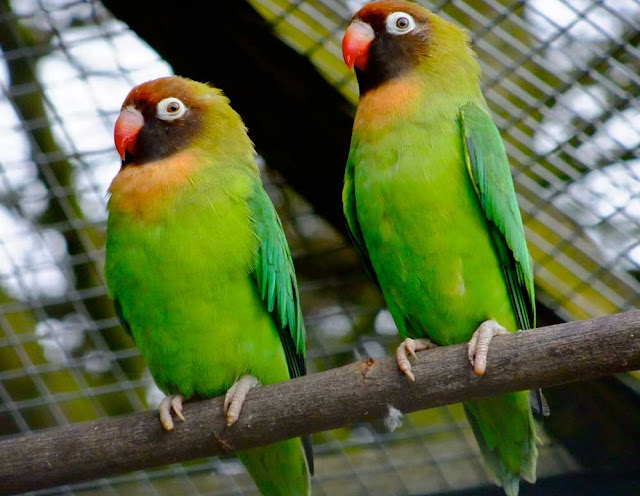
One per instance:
(159, 139)
(390, 56)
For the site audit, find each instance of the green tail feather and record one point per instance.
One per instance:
(279, 469)
(505, 431)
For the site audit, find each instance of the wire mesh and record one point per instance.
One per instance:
(562, 79)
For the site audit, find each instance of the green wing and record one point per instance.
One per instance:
(276, 280)
(489, 169)
(350, 212)
(278, 287)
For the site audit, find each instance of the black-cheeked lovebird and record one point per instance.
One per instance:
(431, 206)
(198, 265)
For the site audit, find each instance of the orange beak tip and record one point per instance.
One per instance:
(349, 61)
(121, 147)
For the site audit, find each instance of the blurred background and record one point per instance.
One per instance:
(561, 77)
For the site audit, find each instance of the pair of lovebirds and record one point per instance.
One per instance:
(202, 277)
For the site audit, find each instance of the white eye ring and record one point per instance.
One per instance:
(171, 109)
(399, 23)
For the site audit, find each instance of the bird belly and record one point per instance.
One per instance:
(186, 290)
(202, 347)
(430, 246)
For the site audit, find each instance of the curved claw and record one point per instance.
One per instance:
(168, 403)
(408, 348)
(236, 395)
(478, 346)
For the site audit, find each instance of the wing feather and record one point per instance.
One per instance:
(487, 163)
(276, 282)
(277, 285)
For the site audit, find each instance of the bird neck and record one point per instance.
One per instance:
(149, 192)
(143, 190)
(429, 92)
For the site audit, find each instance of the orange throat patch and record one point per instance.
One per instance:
(144, 191)
(385, 104)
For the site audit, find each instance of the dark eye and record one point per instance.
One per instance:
(402, 23)
(170, 109)
(399, 23)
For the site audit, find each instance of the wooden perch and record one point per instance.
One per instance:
(548, 356)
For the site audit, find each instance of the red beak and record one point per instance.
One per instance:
(355, 44)
(128, 125)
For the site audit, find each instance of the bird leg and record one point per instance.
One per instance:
(234, 399)
(478, 347)
(408, 348)
(166, 405)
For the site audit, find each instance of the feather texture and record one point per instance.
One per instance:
(488, 167)
(200, 270)
(431, 207)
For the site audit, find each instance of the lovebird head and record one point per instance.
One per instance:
(167, 115)
(392, 39)
(174, 135)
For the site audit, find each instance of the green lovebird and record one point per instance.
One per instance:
(198, 264)
(432, 210)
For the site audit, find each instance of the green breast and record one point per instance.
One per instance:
(185, 287)
(426, 234)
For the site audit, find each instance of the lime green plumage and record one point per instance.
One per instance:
(206, 286)
(487, 164)
(430, 203)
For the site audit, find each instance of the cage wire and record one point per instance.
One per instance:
(561, 77)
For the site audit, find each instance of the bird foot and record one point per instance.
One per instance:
(478, 347)
(235, 397)
(408, 348)
(173, 402)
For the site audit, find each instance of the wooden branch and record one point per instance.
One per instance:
(548, 356)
